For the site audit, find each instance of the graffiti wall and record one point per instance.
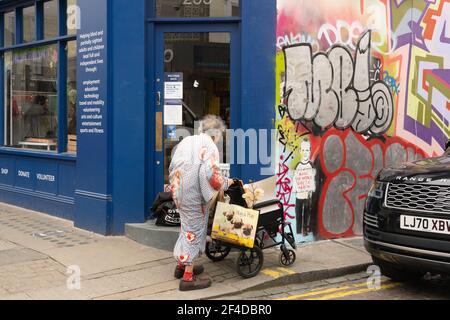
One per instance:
(361, 84)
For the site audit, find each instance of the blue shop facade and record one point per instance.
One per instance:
(95, 94)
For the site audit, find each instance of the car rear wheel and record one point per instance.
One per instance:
(395, 272)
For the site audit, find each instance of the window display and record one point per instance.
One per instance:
(72, 96)
(31, 97)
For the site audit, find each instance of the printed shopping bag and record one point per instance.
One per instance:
(235, 225)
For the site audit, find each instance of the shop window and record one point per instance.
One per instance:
(50, 19)
(10, 28)
(72, 17)
(29, 24)
(31, 108)
(72, 96)
(196, 8)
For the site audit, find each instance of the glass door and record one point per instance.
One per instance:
(194, 78)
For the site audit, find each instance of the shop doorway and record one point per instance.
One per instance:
(196, 73)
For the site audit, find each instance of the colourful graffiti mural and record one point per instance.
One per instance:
(361, 85)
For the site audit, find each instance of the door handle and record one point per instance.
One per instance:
(158, 98)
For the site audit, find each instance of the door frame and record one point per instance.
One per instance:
(155, 65)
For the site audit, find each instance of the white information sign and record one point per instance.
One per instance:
(173, 86)
(173, 115)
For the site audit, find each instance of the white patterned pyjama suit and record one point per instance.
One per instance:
(194, 178)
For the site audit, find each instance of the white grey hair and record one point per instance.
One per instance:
(212, 125)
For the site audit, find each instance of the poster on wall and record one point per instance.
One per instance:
(304, 180)
(173, 86)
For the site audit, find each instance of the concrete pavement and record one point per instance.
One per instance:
(39, 255)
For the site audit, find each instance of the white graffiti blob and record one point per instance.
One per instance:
(365, 117)
(324, 104)
(298, 78)
(342, 62)
(335, 89)
(310, 95)
(383, 103)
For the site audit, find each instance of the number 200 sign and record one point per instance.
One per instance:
(196, 2)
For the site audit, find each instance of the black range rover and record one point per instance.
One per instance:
(407, 219)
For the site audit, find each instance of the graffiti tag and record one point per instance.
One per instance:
(342, 33)
(334, 89)
(390, 81)
(284, 189)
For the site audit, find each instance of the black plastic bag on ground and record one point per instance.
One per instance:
(167, 214)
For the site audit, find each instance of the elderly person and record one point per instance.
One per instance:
(195, 178)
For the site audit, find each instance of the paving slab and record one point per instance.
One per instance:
(15, 255)
(6, 245)
(142, 292)
(19, 296)
(108, 254)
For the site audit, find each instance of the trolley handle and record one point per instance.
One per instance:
(268, 203)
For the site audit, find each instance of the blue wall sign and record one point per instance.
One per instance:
(92, 189)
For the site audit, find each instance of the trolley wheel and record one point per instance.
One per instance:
(287, 257)
(216, 251)
(250, 262)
